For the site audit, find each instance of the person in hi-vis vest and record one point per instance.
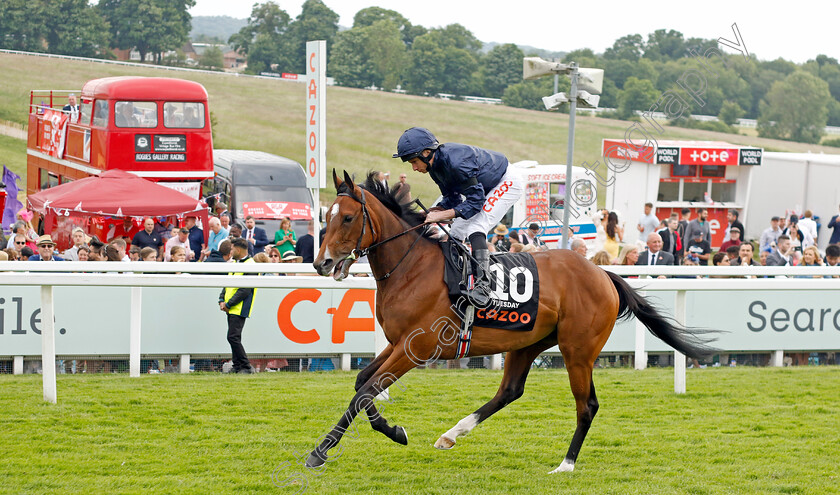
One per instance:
(238, 303)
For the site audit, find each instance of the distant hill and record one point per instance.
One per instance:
(221, 27)
(527, 50)
(269, 115)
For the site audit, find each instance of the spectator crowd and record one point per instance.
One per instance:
(161, 239)
(679, 239)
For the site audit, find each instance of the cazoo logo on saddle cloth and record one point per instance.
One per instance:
(516, 293)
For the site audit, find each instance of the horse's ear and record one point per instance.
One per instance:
(349, 181)
(336, 180)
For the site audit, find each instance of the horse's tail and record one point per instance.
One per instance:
(690, 341)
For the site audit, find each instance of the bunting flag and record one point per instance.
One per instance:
(12, 204)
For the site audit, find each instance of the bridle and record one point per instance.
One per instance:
(358, 252)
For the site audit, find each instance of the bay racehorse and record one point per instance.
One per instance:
(578, 305)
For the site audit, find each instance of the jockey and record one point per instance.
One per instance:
(489, 188)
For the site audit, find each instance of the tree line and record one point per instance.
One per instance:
(384, 49)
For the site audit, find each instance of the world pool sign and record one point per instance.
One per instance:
(305, 321)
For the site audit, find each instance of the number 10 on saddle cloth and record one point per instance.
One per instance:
(515, 285)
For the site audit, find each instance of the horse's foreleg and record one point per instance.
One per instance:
(583, 388)
(396, 365)
(377, 422)
(374, 365)
(517, 365)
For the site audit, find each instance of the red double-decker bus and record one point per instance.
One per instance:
(155, 127)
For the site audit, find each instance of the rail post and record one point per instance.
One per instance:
(778, 358)
(641, 355)
(184, 364)
(48, 344)
(679, 358)
(496, 362)
(134, 331)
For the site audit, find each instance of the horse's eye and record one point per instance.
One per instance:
(348, 218)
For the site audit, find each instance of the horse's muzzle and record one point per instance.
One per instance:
(324, 266)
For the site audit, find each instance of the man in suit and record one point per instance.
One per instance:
(745, 256)
(670, 238)
(654, 255)
(781, 256)
(72, 108)
(46, 246)
(256, 237)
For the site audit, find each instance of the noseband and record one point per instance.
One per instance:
(358, 252)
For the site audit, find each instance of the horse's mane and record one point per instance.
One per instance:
(407, 212)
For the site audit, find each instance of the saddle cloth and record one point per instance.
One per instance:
(515, 285)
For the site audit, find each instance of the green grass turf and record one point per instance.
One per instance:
(737, 430)
(362, 126)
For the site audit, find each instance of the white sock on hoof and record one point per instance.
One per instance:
(463, 427)
(565, 467)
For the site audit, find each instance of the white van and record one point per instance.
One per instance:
(261, 184)
(542, 203)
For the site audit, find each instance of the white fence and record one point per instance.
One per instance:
(822, 333)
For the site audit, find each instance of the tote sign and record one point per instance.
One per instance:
(316, 113)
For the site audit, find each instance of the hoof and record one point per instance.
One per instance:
(444, 443)
(400, 436)
(315, 460)
(564, 467)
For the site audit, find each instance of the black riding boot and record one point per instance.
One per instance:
(479, 296)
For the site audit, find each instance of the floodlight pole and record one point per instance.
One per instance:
(573, 75)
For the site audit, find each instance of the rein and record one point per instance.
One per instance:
(358, 252)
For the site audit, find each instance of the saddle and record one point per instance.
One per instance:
(514, 281)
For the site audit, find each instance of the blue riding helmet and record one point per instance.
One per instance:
(413, 142)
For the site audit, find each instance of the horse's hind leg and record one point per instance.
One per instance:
(580, 378)
(517, 365)
(377, 422)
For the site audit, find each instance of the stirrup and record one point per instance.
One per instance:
(479, 295)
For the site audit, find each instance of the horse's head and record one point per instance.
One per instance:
(349, 229)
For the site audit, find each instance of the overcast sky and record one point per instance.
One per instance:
(795, 31)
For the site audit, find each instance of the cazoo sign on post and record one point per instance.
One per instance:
(316, 114)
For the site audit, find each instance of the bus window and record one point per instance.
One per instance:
(135, 114)
(183, 115)
(100, 115)
(47, 179)
(87, 108)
